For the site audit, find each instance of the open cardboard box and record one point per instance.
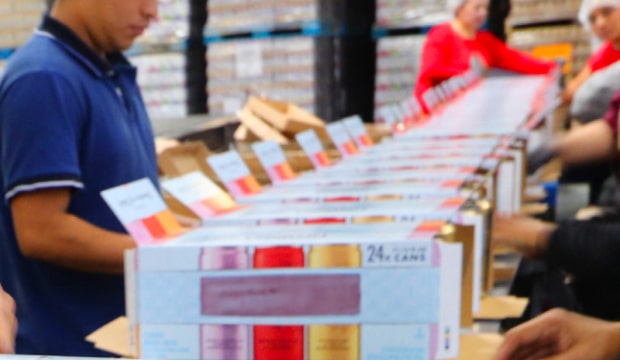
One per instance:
(287, 118)
(255, 128)
(184, 159)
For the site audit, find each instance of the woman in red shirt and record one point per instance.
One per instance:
(452, 48)
(602, 17)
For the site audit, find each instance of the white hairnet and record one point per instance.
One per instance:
(587, 6)
(453, 5)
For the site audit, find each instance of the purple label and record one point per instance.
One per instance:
(299, 295)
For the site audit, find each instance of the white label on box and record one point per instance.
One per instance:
(309, 142)
(355, 125)
(269, 153)
(338, 133)
(407, 254)
(407, 111)
(387, 115)
(249, 60)
(506, 188)
(411, 342)
(399, 113)
(448, 330)
(192, 187)
(228, 166)
(413, 105)
(181, 342)
(518, 173)
(134, 201)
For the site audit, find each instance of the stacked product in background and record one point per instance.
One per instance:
(323, 66)
(408, 12)
(536, 11)
(398, 61)
(18, 18)
(249, 14)
(161, 61)
(172, 25)
(527, 39)
(162, 80)
(293, 69)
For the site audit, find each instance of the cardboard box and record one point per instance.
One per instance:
(114, 338)
(408, 288)
(258, 128)
(185, 158)
(427, 206)
(286, 117)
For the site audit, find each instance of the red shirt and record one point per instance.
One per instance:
(446, 54)
(604, 57)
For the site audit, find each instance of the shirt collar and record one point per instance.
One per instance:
(65, 35)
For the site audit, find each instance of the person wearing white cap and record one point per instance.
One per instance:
(591, 92)
(454, 47)
(602, 18)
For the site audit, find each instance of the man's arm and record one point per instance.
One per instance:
(592, 142)
(45, 231)
(8, 323)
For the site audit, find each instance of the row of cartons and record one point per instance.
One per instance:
(363, 333)
(386, 252)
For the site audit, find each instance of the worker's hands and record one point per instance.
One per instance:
(560, 335)
(528, 236)
(8, 323)
(539, 157)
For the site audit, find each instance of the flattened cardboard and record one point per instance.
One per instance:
(466, 236)
(243, 134)
(259, 128)
(178, 208)
(286, 117)
(255, 167)
(479, 346)
(501, 307)
(113, 337)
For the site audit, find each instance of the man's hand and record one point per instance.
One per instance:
(560, 335)
(528, 236)
(8, 323)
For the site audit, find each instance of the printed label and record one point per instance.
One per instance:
(269, 153)
(396, 255)
(228, 166)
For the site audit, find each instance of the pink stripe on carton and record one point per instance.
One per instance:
(281, 295)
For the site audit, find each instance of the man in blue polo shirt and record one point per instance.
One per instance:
(72, 123)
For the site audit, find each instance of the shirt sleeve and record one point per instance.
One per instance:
(39, 130)
(586, 249)
(611, 117)
(437, 63)
(506, 58)
(597, 59)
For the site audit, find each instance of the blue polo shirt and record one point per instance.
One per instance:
(68, 119)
